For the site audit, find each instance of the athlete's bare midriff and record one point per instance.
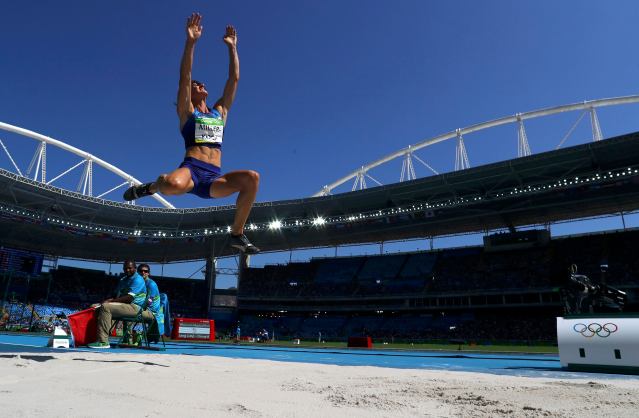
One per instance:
(207, 154)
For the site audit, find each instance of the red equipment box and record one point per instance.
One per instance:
(84, 326)
(364, 342)
(193, 329)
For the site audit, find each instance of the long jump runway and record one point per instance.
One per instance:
(546, 366)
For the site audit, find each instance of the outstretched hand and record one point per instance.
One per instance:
(193, 27)
(230, 37)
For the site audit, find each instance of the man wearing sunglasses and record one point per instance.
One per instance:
(152, 290)
(152, 301)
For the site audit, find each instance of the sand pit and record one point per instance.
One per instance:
(80, 384)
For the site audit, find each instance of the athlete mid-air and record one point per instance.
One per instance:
(202, 127)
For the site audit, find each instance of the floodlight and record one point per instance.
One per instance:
(275, 224)
(319, 221)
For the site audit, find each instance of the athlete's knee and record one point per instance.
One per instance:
(173, 182)
(253, 178)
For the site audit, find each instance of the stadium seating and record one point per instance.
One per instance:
(369, 294)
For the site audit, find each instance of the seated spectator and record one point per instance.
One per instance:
(4, 318)
(130, 300)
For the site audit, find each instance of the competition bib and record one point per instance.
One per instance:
(208, 130)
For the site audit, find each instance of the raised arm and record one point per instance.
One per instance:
(193, 33)
(225, 102)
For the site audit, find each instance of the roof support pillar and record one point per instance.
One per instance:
(461, 157)
(523, 149)
(594, 122)
(43, 171)
(210, 277)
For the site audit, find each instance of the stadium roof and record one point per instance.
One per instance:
(582, 181)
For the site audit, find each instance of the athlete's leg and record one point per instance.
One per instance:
(178, 181)
(245, 182)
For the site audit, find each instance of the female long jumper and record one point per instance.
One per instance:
(202, 127)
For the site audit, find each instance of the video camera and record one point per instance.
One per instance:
(582, 295)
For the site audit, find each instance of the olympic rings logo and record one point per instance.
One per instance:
(593, 329)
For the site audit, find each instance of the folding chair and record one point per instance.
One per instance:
(137, 320)
(164, 319)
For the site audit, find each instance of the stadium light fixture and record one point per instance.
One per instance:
(319, 221)
(275, 224)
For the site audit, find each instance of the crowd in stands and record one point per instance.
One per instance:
(19, 316)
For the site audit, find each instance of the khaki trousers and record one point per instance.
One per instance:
(116, 310)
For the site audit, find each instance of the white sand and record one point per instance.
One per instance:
(78, 384)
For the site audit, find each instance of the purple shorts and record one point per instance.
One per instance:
(203, 175)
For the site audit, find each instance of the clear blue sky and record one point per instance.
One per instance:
(325, 86)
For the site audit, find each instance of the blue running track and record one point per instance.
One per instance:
(504, 364)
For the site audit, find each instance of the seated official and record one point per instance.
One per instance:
(130, 300)
(152, 302)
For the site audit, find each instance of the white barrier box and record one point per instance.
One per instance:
(599, 343)
(59, 339)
